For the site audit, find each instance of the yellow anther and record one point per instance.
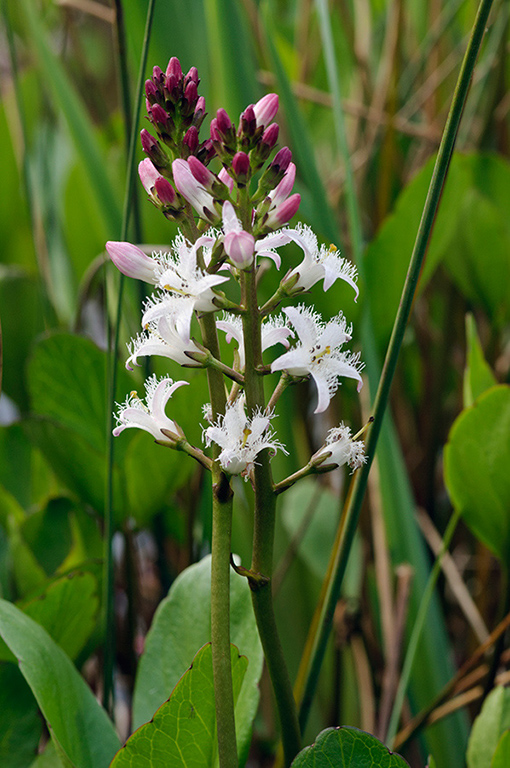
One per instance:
(333, 248)
(246, 433)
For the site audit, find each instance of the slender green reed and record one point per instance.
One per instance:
(109, 620)
(352, 511)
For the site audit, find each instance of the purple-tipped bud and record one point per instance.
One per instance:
(191, 93)
(132, 261)
(159, 115)
(192, 76)
(284, 188)
(165, 191)
(156, 73)
(282, 159)
(223, 122)
(172, 84)
(148, 106)
(265, 109)
(150, 89)
(226, 179)
(241, 165)
(174, 68)
(191, 139)
(202, 174)
(284, 212)
(199, 107)
(215, 136)
(248, 121)
(270, 135)
(149, 143)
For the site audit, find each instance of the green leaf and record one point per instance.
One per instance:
(181, 624)
(347, 748)
(501, 757)
(69, 707)
(478, 376)
(182, 733)
(20, 725)
(491, 723)
(477, 457)
(48, 759)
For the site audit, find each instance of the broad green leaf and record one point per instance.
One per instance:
(347, 748)
(80, 127)
(501, 758)
(75, 462)
(48, 534)
(23, 472)
(182, 624)
(20, 724)
(477, 457)
(478, 376)
(48, 759)
(67, 375)
(182, 733)
(88, 736)
(489, 726)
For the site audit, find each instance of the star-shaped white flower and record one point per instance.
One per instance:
(241, 439)
(168, 336)
(180, 275)
(149, 415)
(318, 354)
(320, 263)
(273, 331)
(340, 449)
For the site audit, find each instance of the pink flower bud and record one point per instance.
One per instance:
(248, 121)
(132, 261)
(226, 179)
(159, 115)
(174, 68)
(156, 73)
(202, 174)
(265, 109)
(284, 212)
(191, 138)
(148, 141)
(199, 107)
(150, 89)
(191, 93)
(241, 164)
(223, 122)
(194, 192)
(270, 135)
(284, 188)
(148, 175)
(165, 191)
(240, 248)
(215, 136)
(282, 159)
(192, 76)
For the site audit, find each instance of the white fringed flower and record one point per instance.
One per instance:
(318, 353)
(340, 449)
(273, 331)
(241, 439)
(149, 415)
(320, 263)
(167, 336)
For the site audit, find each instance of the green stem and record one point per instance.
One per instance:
(109, 610)
(220, 569)
(263, 533)
(353, 508)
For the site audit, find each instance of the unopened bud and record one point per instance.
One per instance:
(265, 109)
(202, 174)
(270, 135)
(223, 122)
(165, 191)
(191, 139)
(174, 68)
(241, 166)
(159, 115)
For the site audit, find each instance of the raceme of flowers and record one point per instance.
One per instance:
(230, 220)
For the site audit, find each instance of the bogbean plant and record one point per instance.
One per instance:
(229, 220)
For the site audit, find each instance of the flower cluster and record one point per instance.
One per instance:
(231, 218)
